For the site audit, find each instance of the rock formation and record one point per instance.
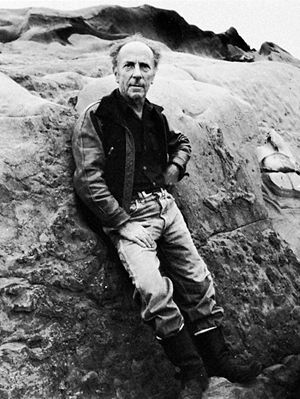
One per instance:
(109, 23)
(273, 52)
(69, 328)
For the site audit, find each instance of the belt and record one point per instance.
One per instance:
(147, 194)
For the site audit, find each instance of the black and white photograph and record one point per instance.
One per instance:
(149, 199)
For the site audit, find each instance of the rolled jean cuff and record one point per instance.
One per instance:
(209, 323)
(170, 335)
(204, 331)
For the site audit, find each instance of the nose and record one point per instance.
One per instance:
(137, 71)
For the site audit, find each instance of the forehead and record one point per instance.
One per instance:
(137, 52)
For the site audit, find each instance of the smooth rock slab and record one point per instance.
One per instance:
(15, 101)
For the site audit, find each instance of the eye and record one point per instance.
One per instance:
(145, 67)
(128, 65)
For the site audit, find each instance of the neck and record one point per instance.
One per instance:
(137, 105)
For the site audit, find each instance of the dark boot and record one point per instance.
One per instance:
(220, 362)
(182, 352)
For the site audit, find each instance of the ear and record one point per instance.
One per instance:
(115, 71)
(152, 80)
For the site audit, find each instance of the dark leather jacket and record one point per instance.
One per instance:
(104, 154)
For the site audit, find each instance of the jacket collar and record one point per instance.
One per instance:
(111, 105)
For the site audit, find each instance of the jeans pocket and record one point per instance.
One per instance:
(169, 201)
(170, 196)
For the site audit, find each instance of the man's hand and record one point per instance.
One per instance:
(171, 174)
(136, 232)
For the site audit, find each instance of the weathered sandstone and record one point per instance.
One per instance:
(69, 328)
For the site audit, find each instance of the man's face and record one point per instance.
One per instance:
(135, 71)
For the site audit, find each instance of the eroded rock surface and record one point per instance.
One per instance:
(115, 22)
(69, 328)
(276, 53)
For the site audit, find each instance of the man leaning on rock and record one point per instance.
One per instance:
(126, 158)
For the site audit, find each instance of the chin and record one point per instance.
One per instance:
(136, 96)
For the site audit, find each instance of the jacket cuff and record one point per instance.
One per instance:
(116, 221)
(181, 167)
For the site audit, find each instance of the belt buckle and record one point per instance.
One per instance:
(161, 193)
(144, 195)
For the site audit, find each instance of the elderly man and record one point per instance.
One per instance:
(126, 159)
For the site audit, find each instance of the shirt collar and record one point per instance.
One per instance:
(109, 105)
(126, 107)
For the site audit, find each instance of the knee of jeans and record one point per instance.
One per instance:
(155, 289)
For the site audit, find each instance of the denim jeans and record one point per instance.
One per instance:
(180, 291)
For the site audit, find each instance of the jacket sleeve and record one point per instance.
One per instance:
(88, 179)
(179, 149)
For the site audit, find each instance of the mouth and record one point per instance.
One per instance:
(139, 86)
